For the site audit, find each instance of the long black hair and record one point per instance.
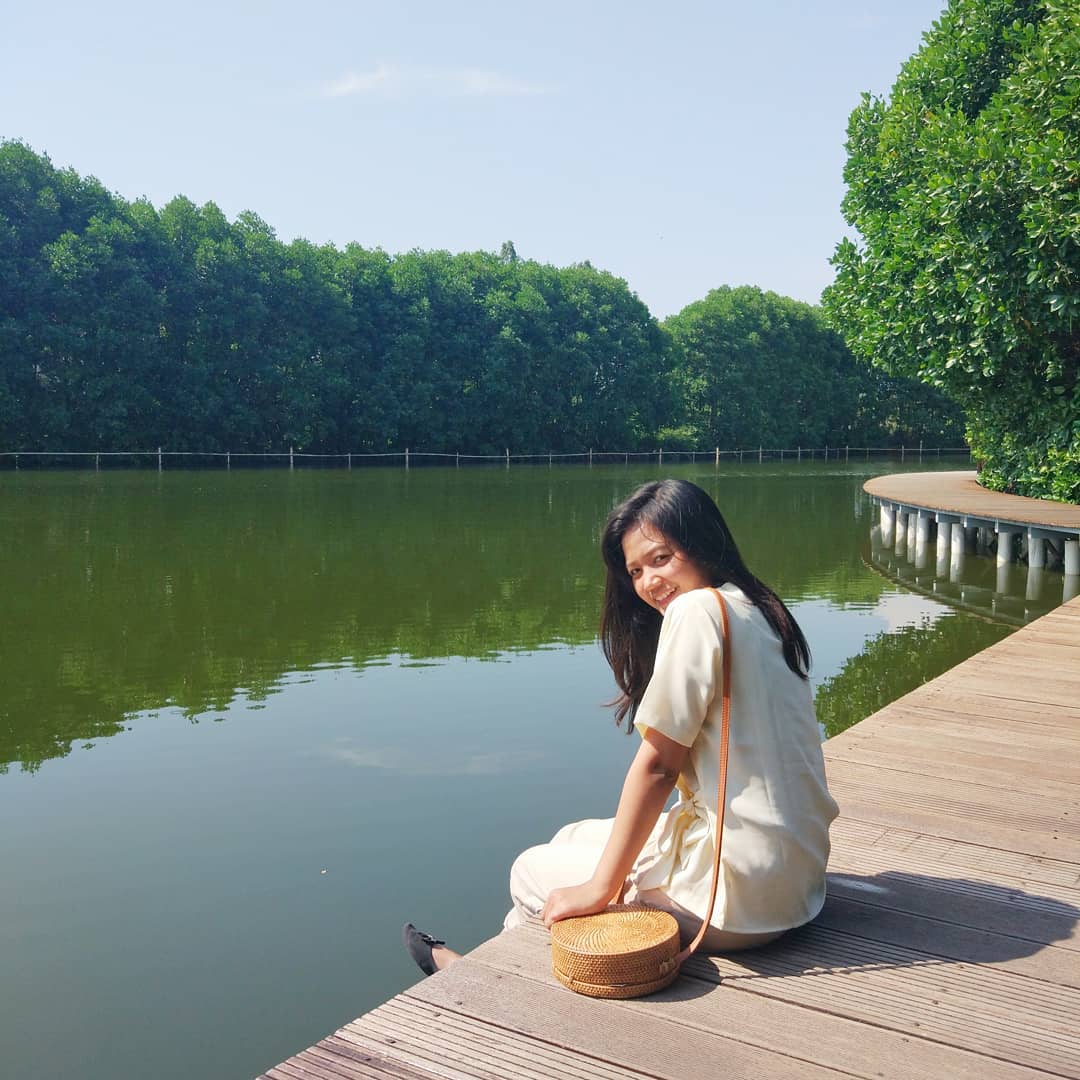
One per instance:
(687, 517)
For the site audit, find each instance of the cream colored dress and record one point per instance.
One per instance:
(776, 825)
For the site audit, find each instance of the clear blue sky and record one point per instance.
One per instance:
(681, 146)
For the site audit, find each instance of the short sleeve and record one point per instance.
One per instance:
(687, 671)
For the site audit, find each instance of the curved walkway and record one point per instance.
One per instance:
(959, 494)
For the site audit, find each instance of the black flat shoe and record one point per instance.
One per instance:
(419, 946)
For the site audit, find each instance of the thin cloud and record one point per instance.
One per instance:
(394, 80)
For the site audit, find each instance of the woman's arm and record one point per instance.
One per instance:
(649, 780)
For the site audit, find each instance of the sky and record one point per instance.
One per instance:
(681, 146)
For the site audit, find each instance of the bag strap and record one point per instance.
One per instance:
(721, 788)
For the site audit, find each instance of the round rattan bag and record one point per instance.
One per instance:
(626, 951)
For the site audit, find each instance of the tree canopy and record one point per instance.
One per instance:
(125, 327)
(754, 368)
(964, 186)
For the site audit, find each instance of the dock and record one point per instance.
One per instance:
(948, 947)
(951, 511)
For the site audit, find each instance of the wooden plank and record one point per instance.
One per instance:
(938, 937)
(771, 1024)
(937, 853)
(953, 799)
(652, 1045)
(1054, 777)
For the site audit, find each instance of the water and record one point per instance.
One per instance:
(251, 722)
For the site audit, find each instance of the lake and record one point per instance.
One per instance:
(253, 721)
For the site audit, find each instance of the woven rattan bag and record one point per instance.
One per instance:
(630, 950)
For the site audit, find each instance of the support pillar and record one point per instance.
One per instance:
(1072, 558)
(912, 532)
(922, 538)
(1004, 546)
(900, 546)
(956, 551)
(941, 567)
(888, 526)
(1036, 550)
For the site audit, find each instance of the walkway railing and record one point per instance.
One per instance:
(409, 457)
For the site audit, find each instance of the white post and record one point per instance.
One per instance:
(350, 459)
(901, 532)
(1004, 547)
(956, 551)
(290, 457)
(1036, 550)
(912, 532)
(1072, 558)
(660, 459)
(228, 459)
(406, 457)
(508, 457)
(159, 459)
(944, 530)
(888, 525)
(590, 457)
(759, 455)
(922, 538)
(717, 457)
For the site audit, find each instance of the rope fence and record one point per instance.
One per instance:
(409, 457)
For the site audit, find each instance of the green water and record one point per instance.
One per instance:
(252, 721)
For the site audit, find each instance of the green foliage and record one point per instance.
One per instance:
(965, 189)
(122, 327)
(754, 368)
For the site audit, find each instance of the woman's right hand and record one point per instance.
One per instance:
(585, 899)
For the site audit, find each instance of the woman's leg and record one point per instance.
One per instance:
(569, 859)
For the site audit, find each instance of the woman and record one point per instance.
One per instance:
(665, 548)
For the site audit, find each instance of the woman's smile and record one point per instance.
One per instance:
(658, 569)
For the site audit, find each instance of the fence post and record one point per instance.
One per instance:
(97, 463)
(457, 460)
(549, 459)
(826, 453)
(717, 461)
(847, 453)
(590, 457)
(228, 459)
(350, 459)
(759, 459)
(626, 458)
(159, 459)
(508, 457)
(799, 452)
(406, 457)
(660, 459)
(901, 453)
(920, 449)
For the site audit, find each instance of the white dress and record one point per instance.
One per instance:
(778, 807)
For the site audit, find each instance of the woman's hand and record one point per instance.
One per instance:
(585, 899)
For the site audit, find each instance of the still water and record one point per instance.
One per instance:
(251, 722)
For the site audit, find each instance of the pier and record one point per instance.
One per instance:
(952, 513)
(948, 946)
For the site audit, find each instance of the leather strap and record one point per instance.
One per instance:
(721, 789)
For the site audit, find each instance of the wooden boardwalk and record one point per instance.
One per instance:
(959, 493)
(949, 946)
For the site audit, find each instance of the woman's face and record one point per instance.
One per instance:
(658, 569)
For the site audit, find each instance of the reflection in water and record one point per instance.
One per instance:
(962, 577)
(340, 700)
(130, 592)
